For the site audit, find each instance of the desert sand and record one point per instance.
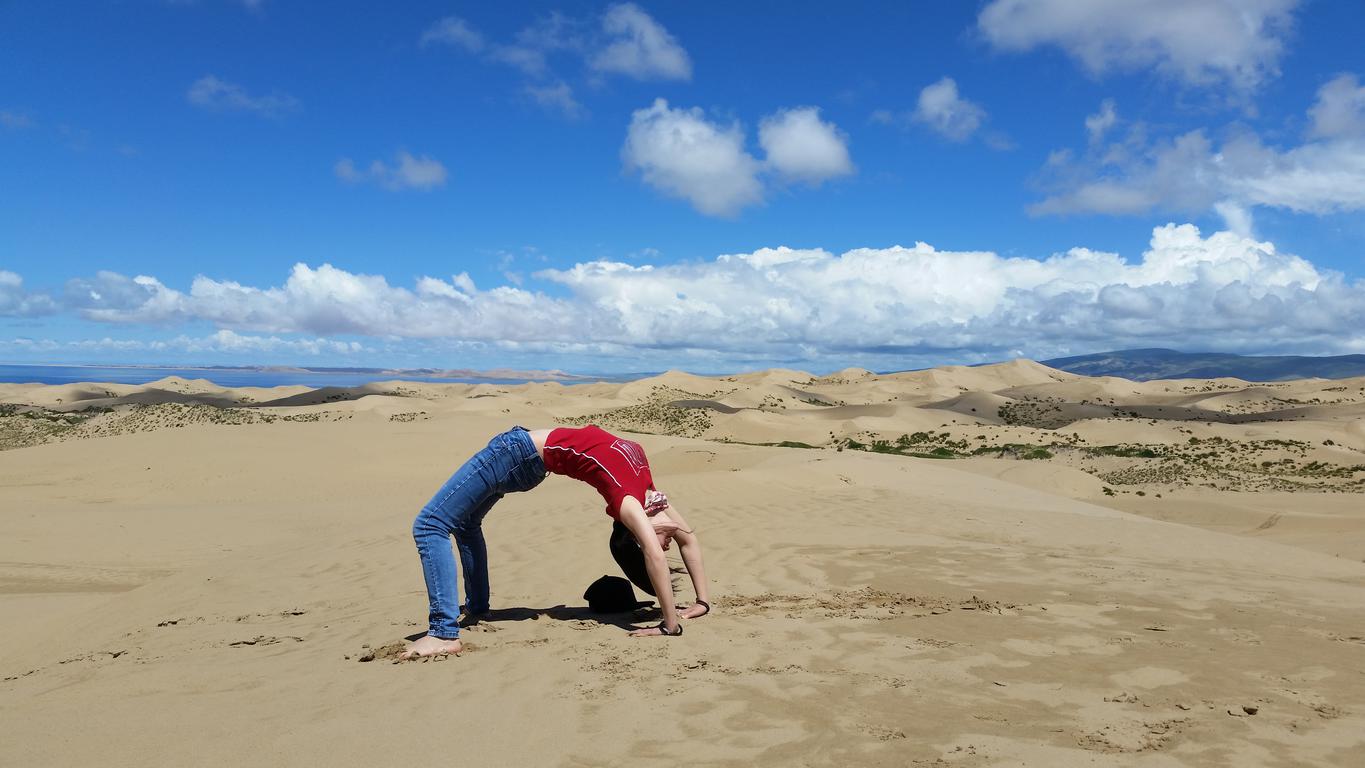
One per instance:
(994, 566)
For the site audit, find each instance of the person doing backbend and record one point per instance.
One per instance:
(518, 460)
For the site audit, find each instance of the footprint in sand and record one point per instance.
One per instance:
(264, 640)
(392, 651)
(865, 603)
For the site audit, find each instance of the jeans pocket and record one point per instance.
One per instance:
(517, 477)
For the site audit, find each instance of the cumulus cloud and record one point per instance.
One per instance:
(213, 93)
(112, 297)
(639, 47)
(1200, 42)
(406, 172)
(942, 109)
(327, 301)
(684, 154)
(1193, 173)
(16, 301)
(681, 153)
(802, 147)
(920, 298)
(1230, 292)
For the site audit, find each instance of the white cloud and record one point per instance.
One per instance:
(15, 301)
(528, 60)
(112, 297)
(533, 45)
(557, 97)
(628, 41)
(1236, 218)
(407, 172)
(639, 47)
(802, 147)
(1098, 124)
(227, 341)
(223, 341)
(328, 301)
(213, 93)
(942, 109)
(681, 153)
(527, 55)
(554, 32)
(453, 30)
(1190, 173)
(908, 298)
(1230, 292)
(1200, 42)
(1340, 109)
(28, 346)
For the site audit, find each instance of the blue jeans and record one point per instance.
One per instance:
(508, 464)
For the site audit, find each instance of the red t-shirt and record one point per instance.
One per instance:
(616, 467)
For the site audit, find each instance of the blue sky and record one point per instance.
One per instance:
(619, 187)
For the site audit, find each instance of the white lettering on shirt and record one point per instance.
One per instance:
(634, 454)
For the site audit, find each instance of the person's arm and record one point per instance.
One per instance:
(633, 517)
(689, 546)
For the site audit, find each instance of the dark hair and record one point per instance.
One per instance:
(627, 553)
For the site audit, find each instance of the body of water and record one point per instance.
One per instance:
(224, 377)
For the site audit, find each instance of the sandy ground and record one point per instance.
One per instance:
(190, 576)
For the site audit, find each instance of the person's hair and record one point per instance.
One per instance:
(625, 550)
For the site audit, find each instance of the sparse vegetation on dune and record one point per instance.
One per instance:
(1245, 465)
(778, 444)
(1035, 412)
(656, 415)
(22, 425)
(25, 426)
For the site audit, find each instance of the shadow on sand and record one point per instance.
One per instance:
(625, 620)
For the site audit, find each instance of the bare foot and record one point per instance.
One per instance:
(432, 646)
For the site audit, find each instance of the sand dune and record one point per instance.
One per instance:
(1077, 572)
(980, 405)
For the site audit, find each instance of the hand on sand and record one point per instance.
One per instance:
(432, 646)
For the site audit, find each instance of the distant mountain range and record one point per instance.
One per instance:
(1147, 364)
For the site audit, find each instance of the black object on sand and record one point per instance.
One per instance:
(612, 594)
